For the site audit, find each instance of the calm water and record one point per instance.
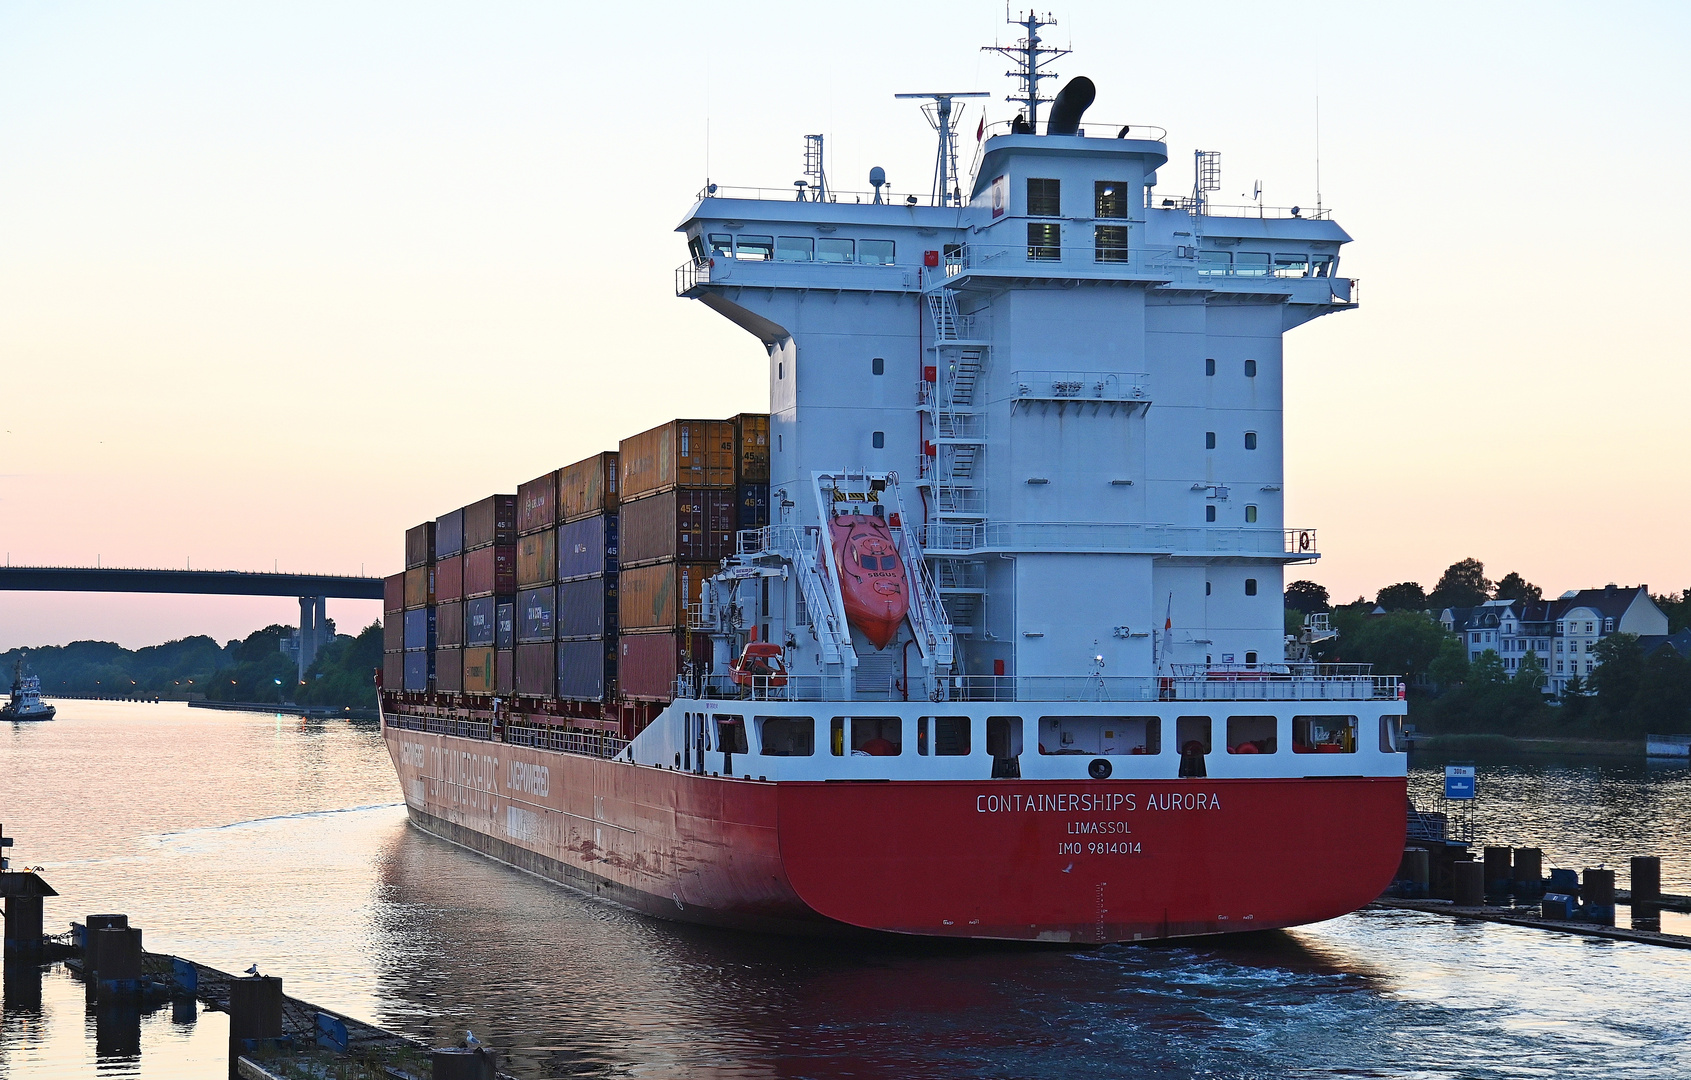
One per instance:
(237, 839)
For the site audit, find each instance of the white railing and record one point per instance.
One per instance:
(794, 193)
(1163, 201)
(1218, 686)
(1123, 538)
(1102, 386)
(1092, 129)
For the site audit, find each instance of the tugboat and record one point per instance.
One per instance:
(26, 703)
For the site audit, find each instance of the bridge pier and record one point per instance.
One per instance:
(313, 626)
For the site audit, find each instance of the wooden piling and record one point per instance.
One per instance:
(1646, 881)
(1469, 881)
(460, 1064)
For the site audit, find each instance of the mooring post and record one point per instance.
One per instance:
(255, 1014)
(90, 940)
(1646, 881)
(1529, 871)
(456, 1063)
(119, 951)
(1598, 896)
(24, 927)
(1468, 877)
(1499, 870)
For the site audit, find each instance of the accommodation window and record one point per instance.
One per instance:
(786, 736)
(873, 736)
(878, 440)
(756, 248)
(1209, 440)
(1251, 734)
(875, 252)
(1209, 513)
(1251, 659)
(795, 248)
(1045, 241)
(830, 250)
(1110, 243)
(1250, 369)
(1324, 734)
(1044, 197)
(878, 366)
(1110, 198)
(1209, 366)
(1206, 588)
(951, 734)
(1250, 586)
(1250, 440)
(1250, 514)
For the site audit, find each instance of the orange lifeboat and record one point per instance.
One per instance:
(873, 582)
(760, 666)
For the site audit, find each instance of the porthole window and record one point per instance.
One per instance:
(1250, 586)
(878, 366)
(1250, 440)
(878, 440)
(1250, 369)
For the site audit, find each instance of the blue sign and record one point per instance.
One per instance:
(1459, 781)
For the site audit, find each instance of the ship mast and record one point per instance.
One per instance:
(1031, 56)
(938, 111)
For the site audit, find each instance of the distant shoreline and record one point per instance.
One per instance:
(316, 712)
(1558, 745)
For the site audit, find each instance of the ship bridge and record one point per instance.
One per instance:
(1074, 374)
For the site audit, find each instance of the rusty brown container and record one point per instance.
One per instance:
(493, 520)
(537, 670)
(505, 671)
(648, 664)
(449, 624)
(681, 453)
(588, 487)
(537, 559)
(393, 632)
(419, 587)
(419, 545)
(449, 579)
(449, 670)
(657, 597)
(751, 448)
(682, 524)
(490, 570)
(480, 671)
(393, 670)
(537, 504)
(393, 594)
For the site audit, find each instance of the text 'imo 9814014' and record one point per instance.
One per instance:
(979, 631)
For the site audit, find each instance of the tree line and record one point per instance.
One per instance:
(197, 667)
(1628, 693)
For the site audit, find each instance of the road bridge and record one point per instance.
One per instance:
(313, 590)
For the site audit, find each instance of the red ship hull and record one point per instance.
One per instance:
(1079, 862)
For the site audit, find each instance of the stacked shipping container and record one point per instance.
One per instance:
(578, 587)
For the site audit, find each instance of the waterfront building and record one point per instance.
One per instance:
(1563, 633)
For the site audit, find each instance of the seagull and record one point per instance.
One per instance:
(470, 1040)
(1067, 868)
(253, 971)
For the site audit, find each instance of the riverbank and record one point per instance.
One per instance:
(1560, 746)
(313, 712)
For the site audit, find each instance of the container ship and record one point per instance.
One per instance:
(978, 631)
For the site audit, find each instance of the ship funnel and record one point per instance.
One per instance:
(1072, 101)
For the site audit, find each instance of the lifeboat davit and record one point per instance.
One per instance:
(873, 582)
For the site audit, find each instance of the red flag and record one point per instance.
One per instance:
(980, 131)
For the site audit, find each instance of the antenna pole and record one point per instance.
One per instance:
(940, 115)
(1030, 56)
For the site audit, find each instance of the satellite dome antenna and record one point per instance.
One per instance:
(1031, 57)
(877, 180)
(939, 114)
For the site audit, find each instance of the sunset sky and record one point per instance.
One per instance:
(278, 280)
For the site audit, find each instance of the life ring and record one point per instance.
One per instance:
(1303, 540)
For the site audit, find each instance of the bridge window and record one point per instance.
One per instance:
(1216, 263)
(1321, 266)
(722, 244)
(1045, 241)
(696, 247)
(756, 248)
(786, 736)
(1250, 264)
(795, 248)
(1291, 265)
(1044, 197)
(875, 252)
(1324, 734)
(1110, 243)
(1110, 198)
(1251, 735)
(830, 250)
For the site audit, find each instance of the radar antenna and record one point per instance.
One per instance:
(1031, 57)
(947, 191)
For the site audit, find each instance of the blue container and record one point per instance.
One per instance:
(1559, 906)
(537, 615)
(419, 670)
(505, 623)
(478, 622)
(587, 668)
(1564, 881)
(419, 629)
(449, 535)
(751, 507)
(587, 548)
(587, 608)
